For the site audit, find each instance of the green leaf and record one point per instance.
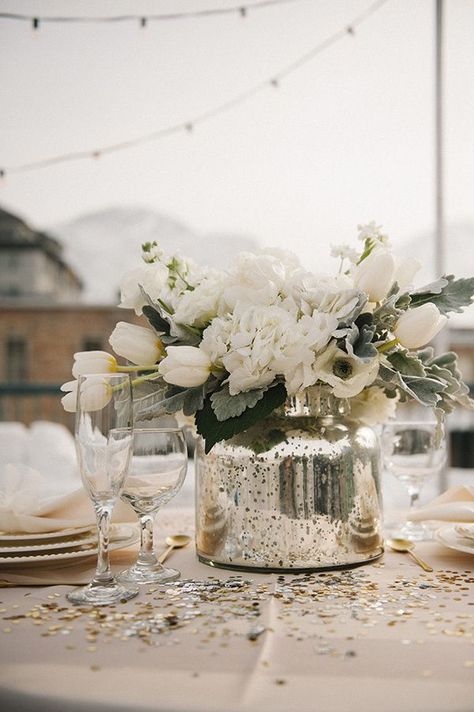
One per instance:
(424, 390)
(406, 363)
(159, 324)
(448, 294)
(213, 430)
(226, 406)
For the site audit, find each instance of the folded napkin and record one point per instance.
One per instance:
(465, 530)
(454, 505)
(31, 502)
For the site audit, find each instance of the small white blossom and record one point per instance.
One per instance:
(372, 406)
(199, 306)
(344, 252)
(372, 231)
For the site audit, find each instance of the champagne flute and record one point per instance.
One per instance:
(157, 472)
(103, 436)
(412, 452)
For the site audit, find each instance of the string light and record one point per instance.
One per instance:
(241, 10)
(274, 81)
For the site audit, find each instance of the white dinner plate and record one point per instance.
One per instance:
(40, 536)
(127, 533)
(449, 537)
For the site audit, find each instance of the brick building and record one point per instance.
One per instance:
(42, 323)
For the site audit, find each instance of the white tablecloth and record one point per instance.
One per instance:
(385, 637)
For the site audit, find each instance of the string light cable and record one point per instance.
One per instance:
(274, 81)
(142, 20)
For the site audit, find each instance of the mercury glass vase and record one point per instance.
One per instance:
(299, 491)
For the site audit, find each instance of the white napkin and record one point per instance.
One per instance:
(454, 505)
(33, 503)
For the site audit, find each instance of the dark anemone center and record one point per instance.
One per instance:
(342, 368)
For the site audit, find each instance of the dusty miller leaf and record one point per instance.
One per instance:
(448, 294)
(226, 406)
(213, 430)
(406, 363)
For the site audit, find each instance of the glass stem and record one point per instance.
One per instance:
(103, 573)
(146, 556)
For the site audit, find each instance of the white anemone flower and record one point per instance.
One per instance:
(137, 344)
(86, 362)
(346, 374)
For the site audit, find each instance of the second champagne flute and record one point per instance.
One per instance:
(156, 474)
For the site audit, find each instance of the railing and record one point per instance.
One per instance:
(26, 402)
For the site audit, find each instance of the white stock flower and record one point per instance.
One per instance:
(375, 274)
(93, 362)
(199, 306)
(372, 231)
(186, 366)
(137, 344)
(419, 325)
(344, 252)
(345, 374)
(96, 392)
(372, 406)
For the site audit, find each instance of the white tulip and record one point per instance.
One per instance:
(95, 394)
(86, 362)
(137, 344)
(185, 366)
(419, 325)
(405, 270)
(69, 401)
(375, 274)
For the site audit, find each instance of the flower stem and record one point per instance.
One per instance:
(389, 345)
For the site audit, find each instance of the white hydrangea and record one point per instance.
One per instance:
(261, 278)
(330, 295)
(199, 306)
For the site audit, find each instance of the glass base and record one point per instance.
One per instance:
(143, 575)
(98, 594)
(413, 532)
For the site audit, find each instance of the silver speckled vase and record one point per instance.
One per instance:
(298, 491)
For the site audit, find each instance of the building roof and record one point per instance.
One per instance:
(16, 234)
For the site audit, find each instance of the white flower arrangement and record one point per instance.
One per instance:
(230, 346)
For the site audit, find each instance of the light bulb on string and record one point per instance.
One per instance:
(189, 127)
(350, 30)
(243, 12)
(275, 83)
(96, 155)
(35, 25)
(143, 23)
(3, 175)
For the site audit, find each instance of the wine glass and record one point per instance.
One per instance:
(157, 472)
(412, 452)
(103, 436)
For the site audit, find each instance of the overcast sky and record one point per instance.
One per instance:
(347, 138)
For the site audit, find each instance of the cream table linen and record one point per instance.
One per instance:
(420, 662)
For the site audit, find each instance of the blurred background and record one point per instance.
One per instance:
(281, 125)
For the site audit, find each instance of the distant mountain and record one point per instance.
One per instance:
(103, 245)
